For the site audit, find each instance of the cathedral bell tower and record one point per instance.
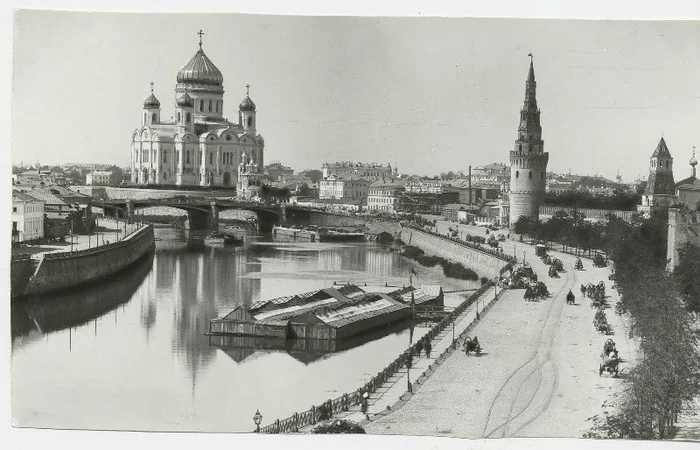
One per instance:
(151, 109)
(185, 112)
(528, 160)
(246, 113)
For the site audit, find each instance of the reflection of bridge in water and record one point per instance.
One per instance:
(203, 213)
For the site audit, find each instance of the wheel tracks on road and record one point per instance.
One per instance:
(539, 360)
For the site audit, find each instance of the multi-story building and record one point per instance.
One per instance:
(99, 178)
(343, 188)
(199, 146)
(27, 217)
(368, 171)
(278, 172)
(386, 196)
(528, 160)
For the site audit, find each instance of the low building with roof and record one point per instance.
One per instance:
(332, 313)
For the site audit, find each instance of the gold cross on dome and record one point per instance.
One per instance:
(247, 89)
(151, 87)
(200, 33)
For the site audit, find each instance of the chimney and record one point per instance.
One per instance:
(470, 186)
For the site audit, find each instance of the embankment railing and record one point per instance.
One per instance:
(468, 244)
(331, 407)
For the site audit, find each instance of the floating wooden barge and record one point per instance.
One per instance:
(332, 313)
(316, 234)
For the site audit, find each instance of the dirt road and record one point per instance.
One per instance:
(538, 375)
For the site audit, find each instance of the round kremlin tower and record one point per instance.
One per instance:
(528, 160)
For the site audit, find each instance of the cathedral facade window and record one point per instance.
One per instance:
(188, 117)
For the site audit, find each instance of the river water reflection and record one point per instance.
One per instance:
(131, 353)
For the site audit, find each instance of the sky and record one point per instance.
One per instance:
(429, 94)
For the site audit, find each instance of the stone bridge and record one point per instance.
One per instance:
(203, 213)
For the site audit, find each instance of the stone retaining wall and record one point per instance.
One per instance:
(484, 264)
(59, 271)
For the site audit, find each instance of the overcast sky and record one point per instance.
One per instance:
(431, 94)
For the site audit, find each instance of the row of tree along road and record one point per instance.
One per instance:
(662, 308)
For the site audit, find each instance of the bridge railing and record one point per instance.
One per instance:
(332, 407)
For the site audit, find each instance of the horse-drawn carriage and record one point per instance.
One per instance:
(540, 250)
(553, 272)
(535, 290)
(557, 264)
(472, 346)
(599, 261)
(600, 322)
(609, 359)
(520, 278)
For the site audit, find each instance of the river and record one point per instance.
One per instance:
(131, 353)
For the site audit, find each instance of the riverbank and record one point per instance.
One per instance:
(55, 270)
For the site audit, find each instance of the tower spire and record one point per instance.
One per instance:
(693, 163)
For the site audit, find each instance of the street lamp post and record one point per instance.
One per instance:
(257, 420)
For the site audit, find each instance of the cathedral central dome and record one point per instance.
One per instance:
(200, 70)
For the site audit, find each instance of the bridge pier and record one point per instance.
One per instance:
(130, 211)
(213, 218)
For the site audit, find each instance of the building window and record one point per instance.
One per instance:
(217, 105)
(144, 117)
(153, 118)
(188, 117)
(517, 174)
(250, 121)
(201, 104)
(209, 105)
(178, 116)
(211, 157)
(188, 157)
(14, 209)
(530, 175)
(165, 156)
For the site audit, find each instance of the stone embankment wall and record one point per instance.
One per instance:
(58, 271)
(483, 263)
(683, 228)
(597, 214)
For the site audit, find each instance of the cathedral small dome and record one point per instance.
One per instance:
(185, 101)
(200, 70)
(247, 104)
(693, 161)
(151, 102)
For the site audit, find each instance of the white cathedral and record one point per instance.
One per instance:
(199, 146)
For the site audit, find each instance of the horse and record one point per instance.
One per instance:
(583, 291)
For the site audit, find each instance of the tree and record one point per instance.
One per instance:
(313, 174)
(687, 274)
(522, 225)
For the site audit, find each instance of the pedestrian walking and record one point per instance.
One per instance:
(419, 347)
(428, 348)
